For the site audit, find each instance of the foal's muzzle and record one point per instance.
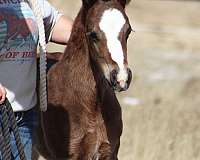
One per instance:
(120, 85)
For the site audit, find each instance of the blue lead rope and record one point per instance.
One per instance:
(7, 123)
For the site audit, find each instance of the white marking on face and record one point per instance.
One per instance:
(112, 21)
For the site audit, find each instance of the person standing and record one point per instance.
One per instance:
(18, 50)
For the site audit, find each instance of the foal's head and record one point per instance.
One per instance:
(108, 28)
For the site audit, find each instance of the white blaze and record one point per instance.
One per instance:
(112, 21)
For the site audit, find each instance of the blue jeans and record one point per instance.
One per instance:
(27, 122)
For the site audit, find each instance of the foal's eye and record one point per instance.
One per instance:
(93, 36)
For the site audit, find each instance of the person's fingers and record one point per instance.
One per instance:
(2, 94)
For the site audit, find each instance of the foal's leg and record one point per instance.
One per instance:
(88, 147)
(105, 152)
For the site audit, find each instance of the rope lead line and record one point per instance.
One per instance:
(5, 134)
(42, 41)
(8, 121)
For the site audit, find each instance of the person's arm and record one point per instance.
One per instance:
(57, 26)
(62, 30)
(2, 94)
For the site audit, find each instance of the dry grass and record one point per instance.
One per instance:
(164, 124)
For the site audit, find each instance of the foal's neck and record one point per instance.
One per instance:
(85, 72)
(77, 44)
(76, 61)
(77, 53)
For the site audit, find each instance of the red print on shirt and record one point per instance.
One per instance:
(17, 28)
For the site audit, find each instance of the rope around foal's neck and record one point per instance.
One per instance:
(42, 41)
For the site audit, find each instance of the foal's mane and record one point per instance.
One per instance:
(77, 43)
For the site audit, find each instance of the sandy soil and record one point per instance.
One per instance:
(161, 111)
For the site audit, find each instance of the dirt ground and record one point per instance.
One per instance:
(161, 110)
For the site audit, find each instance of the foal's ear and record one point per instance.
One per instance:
(124, 2)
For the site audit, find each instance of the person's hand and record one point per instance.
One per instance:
(2, 94)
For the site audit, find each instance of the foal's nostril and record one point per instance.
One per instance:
(113, 77)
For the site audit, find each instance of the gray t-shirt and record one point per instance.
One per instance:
(18, 45)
